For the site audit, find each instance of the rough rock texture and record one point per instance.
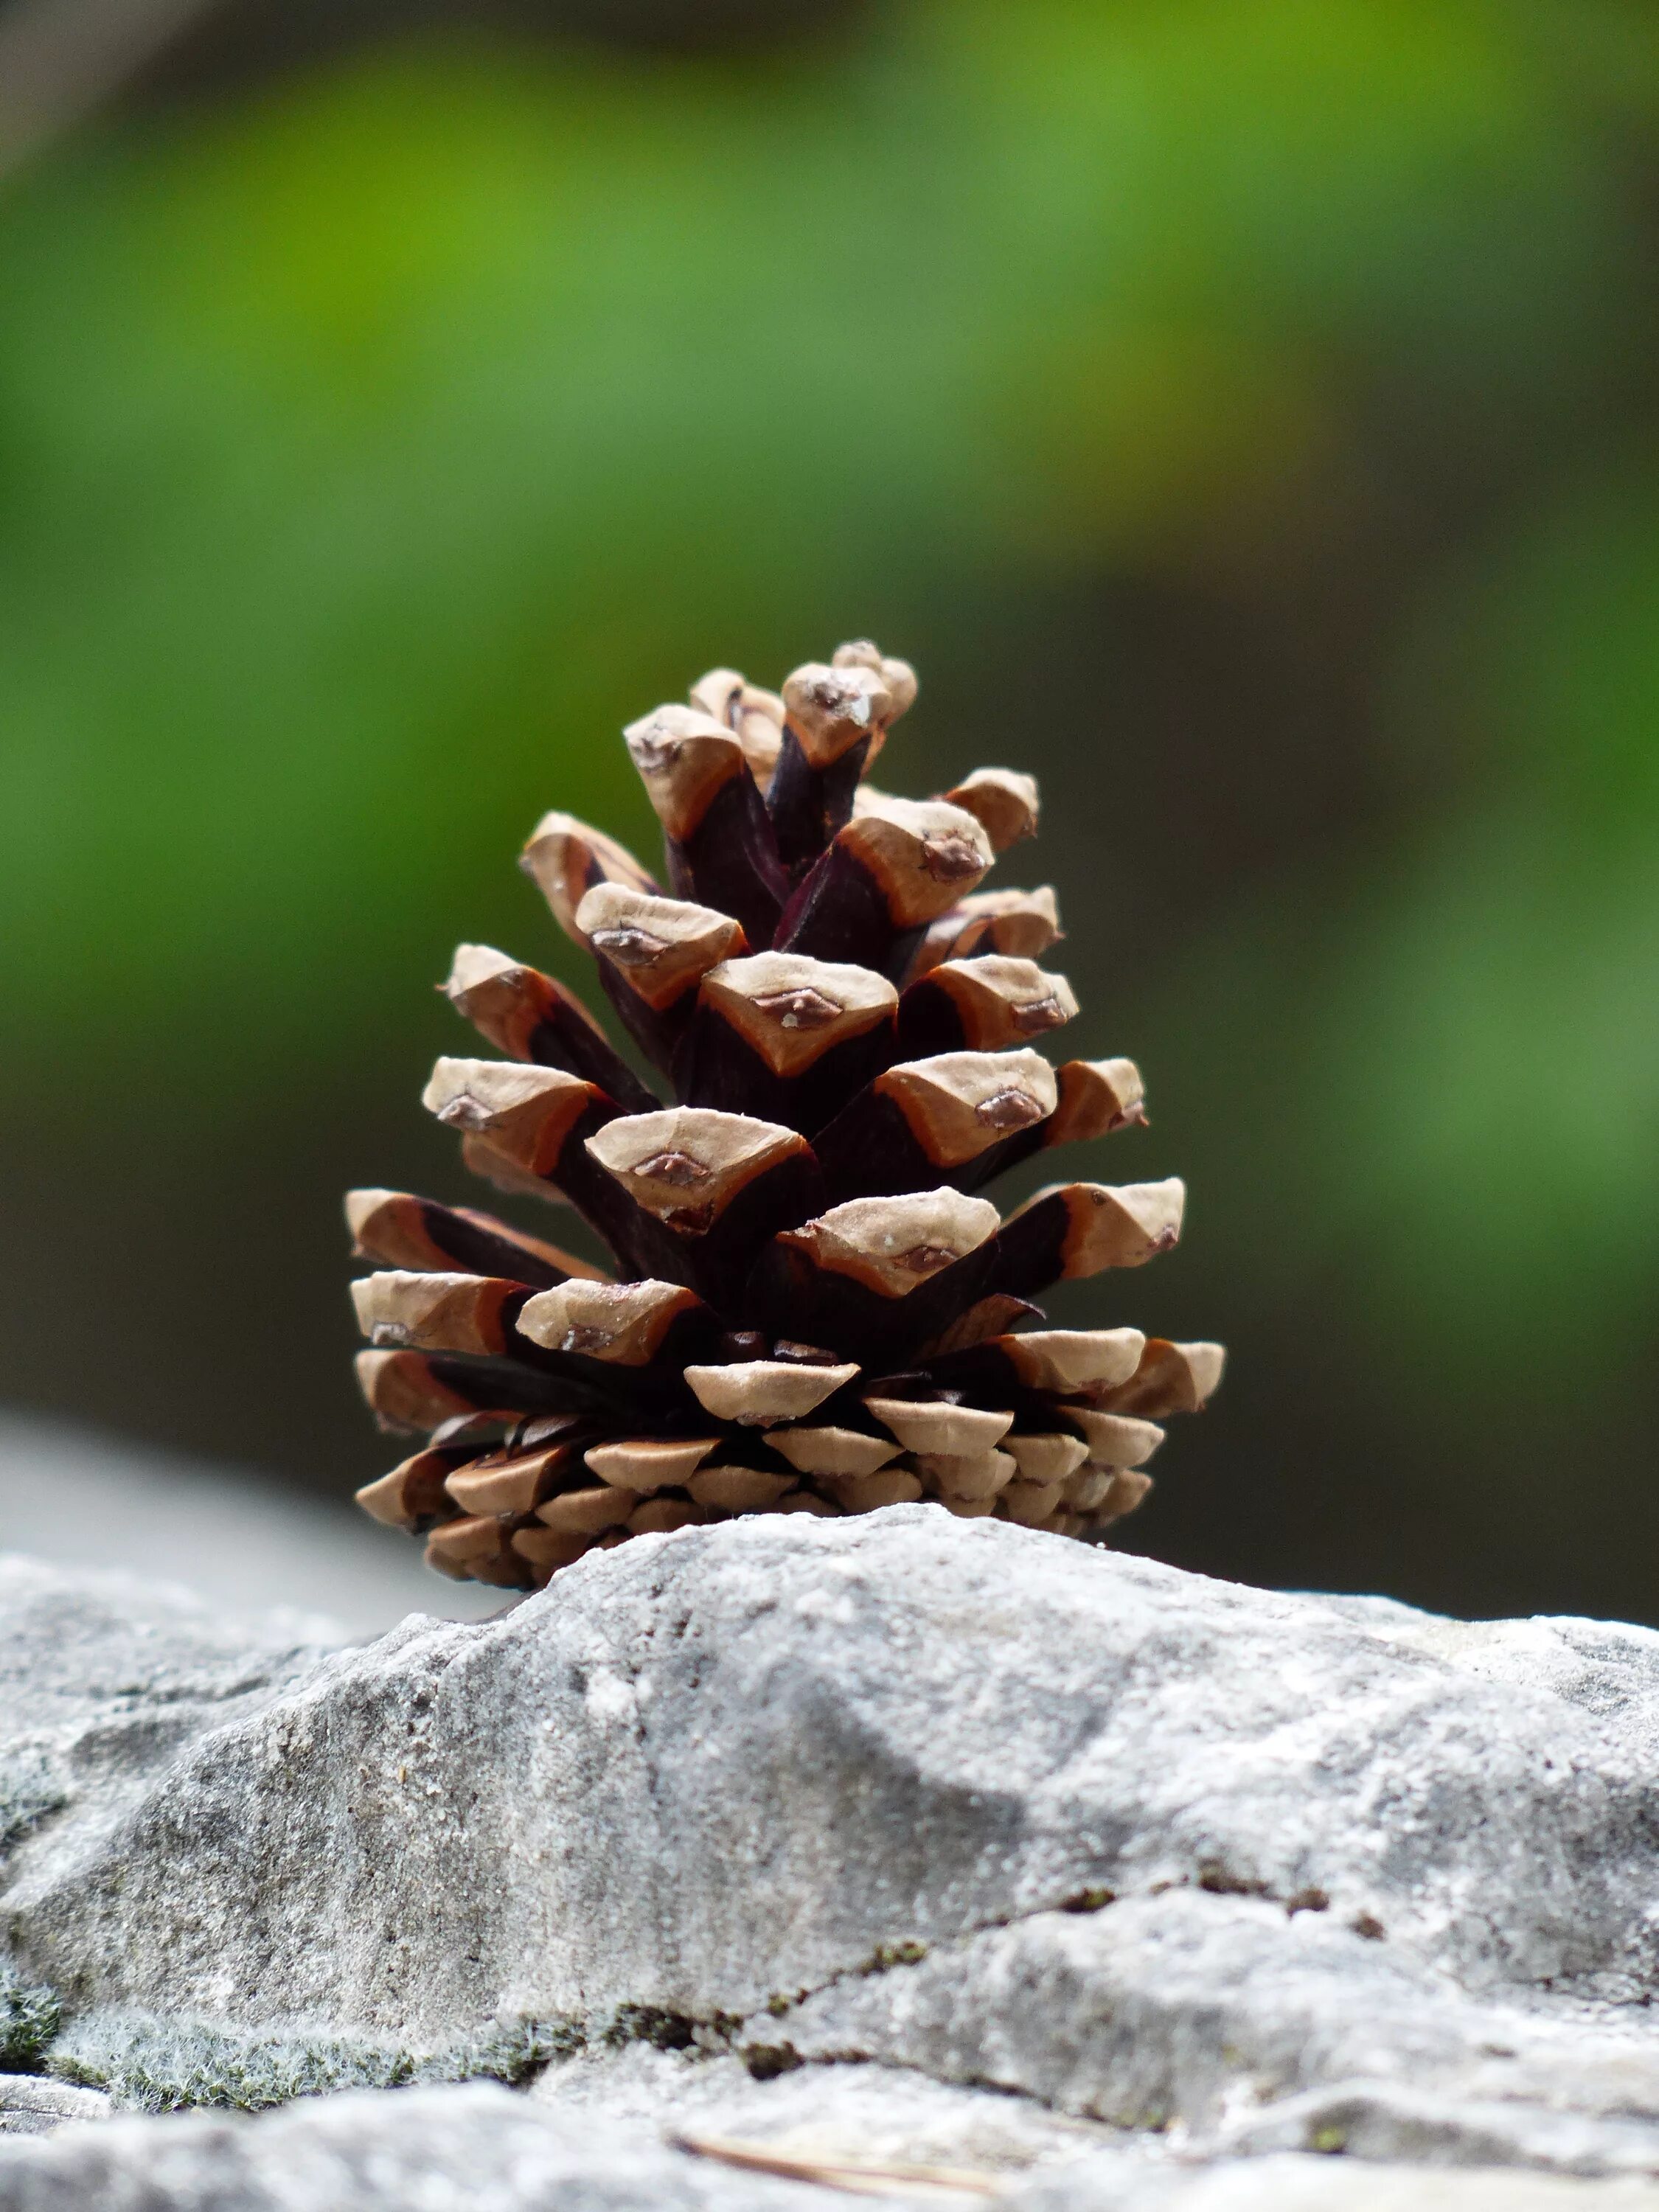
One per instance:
(30, 2105)
(1182, 1870)
(480, 2149)
(459, 2150)
(103, 1683)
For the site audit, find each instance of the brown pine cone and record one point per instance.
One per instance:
(812, 1310)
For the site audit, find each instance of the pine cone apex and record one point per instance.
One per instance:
(812, 1309)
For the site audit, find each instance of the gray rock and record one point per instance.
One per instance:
(851, 2113)
(32, 2106)
(481, 2149)
(1386, 2120)
(930, 1809)
(477, 2149)
(1288, 2184)
(244, 1543)
(103, 1681)
(1192, 2008)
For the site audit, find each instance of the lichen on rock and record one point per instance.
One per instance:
(156, 2065)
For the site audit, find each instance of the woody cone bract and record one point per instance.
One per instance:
(812, 1309)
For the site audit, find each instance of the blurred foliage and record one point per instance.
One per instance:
(1244, 412)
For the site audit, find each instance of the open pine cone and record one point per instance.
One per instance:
(812, 1311)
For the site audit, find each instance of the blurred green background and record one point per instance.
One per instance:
(1244, 412)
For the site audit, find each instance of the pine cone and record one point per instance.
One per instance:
(812, 1311)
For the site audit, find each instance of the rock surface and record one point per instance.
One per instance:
(940, 1836)
(481, 2149)
(80, 1498)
